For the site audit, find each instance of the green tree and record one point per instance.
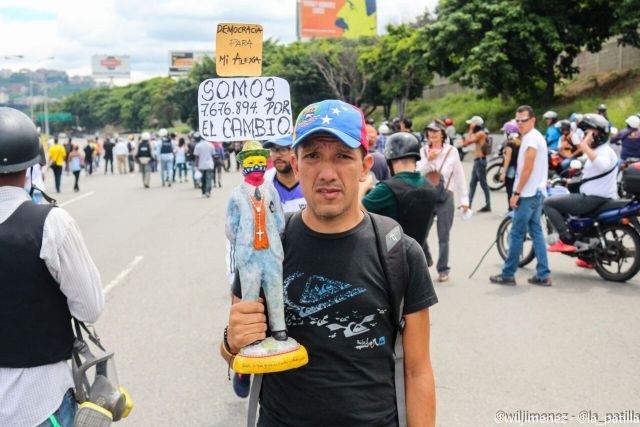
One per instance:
(515, 48)
(397, 68)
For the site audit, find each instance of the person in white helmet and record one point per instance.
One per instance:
(629, 138)
(552, 135)
(166, 153)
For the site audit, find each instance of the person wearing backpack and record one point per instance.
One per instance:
(145, 154)
(406, 197)
(48, 277)
(440, 163)
(478, 135)
(353, 280)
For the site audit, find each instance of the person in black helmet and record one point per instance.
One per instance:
(47, 277)
(407, 197)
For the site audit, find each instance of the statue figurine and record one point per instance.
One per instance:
(255, 222)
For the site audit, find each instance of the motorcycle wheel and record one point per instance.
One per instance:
(620, 260)
(502, 239)
(493, 176)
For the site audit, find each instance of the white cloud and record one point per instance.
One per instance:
(146, 29)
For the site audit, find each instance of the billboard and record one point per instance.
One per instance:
(181, 61)
(336, 18)
(110, 66)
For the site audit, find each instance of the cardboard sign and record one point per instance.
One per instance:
(244, 109)
(239, 50)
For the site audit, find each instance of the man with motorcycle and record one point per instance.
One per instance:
(598, 183)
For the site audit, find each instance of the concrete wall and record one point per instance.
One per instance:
(611, 58)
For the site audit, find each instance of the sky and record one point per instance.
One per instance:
(71, 31)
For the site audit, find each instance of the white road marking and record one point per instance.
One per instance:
(124, 273)
(68, 202)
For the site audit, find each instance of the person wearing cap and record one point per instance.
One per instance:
(383, 133)
(145, 154)
(440, 162)
(204, 163)
(379, 169)
(511, 152)
(57, 156)
(629, 138)
(48, 276)
(166, 153)
(282, 176)
(479, 136)
(333, 277)
(406, 197)
(530, 190)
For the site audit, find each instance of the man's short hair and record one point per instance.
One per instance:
(527, 108)
(408, 124)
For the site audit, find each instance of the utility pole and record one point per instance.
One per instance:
(46, 107)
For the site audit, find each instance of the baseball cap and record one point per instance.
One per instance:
(342, 120)
(475, 119)
(282, 142)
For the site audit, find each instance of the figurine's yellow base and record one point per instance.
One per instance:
(269, 364)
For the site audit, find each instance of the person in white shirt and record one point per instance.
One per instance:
(121, 152)
(599, 182)
(529, 192)
(48, 276)
(204, 163)
(440, 159)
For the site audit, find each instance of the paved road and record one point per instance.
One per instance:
(161, 252)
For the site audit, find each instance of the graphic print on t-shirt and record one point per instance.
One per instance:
(321, 293)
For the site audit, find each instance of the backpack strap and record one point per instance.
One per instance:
(256, 382)
(390, 244)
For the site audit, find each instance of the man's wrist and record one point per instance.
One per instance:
(225, 343)
(516, 193)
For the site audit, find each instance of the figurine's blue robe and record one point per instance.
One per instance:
(258, 268)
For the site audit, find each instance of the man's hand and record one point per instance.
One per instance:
(503, 177)
(247, 324)
(514, 201)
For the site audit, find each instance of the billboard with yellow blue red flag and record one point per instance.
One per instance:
(336, 18)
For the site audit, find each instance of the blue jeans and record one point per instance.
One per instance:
(527, 217)
(479, 175)
(207, 175)
(65, 414)
(166, 167)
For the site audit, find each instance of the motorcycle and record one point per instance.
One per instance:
(495, 162)
(610, 234)
(622, 167)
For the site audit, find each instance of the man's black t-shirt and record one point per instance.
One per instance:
(337, 305)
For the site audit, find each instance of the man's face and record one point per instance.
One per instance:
(549, 122)
(525, 123)
(330, 173)
(281, 157)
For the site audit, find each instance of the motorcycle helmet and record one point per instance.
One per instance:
(145, 136)
(633, 121)
(599, 123)
(550, 115)
(19, 144)
(602, 108)
(510, 127)
(401, 145)
(564, 125)
(163, 132)
(384, 129)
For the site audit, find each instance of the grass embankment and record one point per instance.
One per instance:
(620, 91)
